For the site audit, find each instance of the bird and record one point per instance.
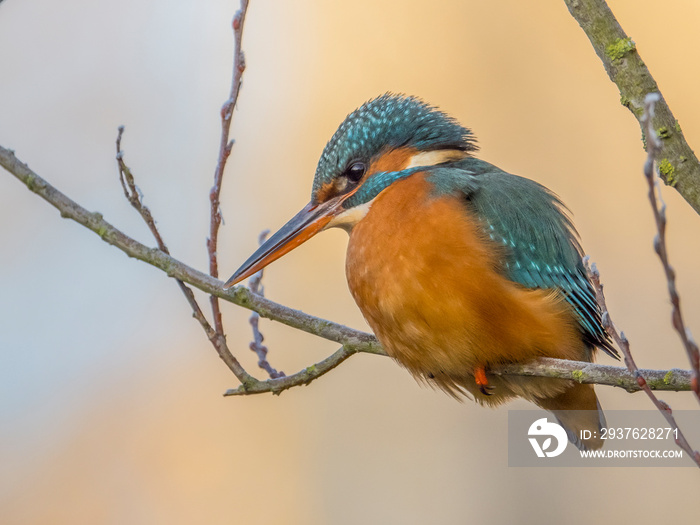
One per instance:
(457, 266)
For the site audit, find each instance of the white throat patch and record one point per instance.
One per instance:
(349, 218)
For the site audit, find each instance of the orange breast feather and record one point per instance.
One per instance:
(427, 280)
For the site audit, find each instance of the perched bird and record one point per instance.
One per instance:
(456, 265)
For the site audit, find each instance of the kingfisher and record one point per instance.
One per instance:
(457, 266)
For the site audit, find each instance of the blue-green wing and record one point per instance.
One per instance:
(539, 239)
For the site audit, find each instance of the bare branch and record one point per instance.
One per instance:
(256, 345)
(225, 147)
(580, 371)
(585, 372)
(238, 295)
(653, 149)
(679, 166)
(353, 341)
(304, 377)
(132, 194)
(638, 375)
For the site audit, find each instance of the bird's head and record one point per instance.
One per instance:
(386, 139)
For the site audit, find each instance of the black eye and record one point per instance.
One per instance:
(355, 171)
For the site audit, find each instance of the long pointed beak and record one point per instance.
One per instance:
(304, 225)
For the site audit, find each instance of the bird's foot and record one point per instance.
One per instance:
(482, 381)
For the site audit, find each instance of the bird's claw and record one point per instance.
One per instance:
(487, 390)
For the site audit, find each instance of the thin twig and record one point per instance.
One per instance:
(256, 345)
(623, 344)
(653, 149)
(133, 195)
(225, 146)
(304, 377)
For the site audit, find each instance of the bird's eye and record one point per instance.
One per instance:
(355, 171)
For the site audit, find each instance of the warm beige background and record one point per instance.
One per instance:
(110, 396)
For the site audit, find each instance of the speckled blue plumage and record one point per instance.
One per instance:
(389, 121)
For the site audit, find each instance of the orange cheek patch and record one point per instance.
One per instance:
(393, 160)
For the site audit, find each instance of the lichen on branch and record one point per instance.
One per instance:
(679, 168)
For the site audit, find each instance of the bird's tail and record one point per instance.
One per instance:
(578, 411)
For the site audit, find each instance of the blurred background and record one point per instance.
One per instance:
(111, 407)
